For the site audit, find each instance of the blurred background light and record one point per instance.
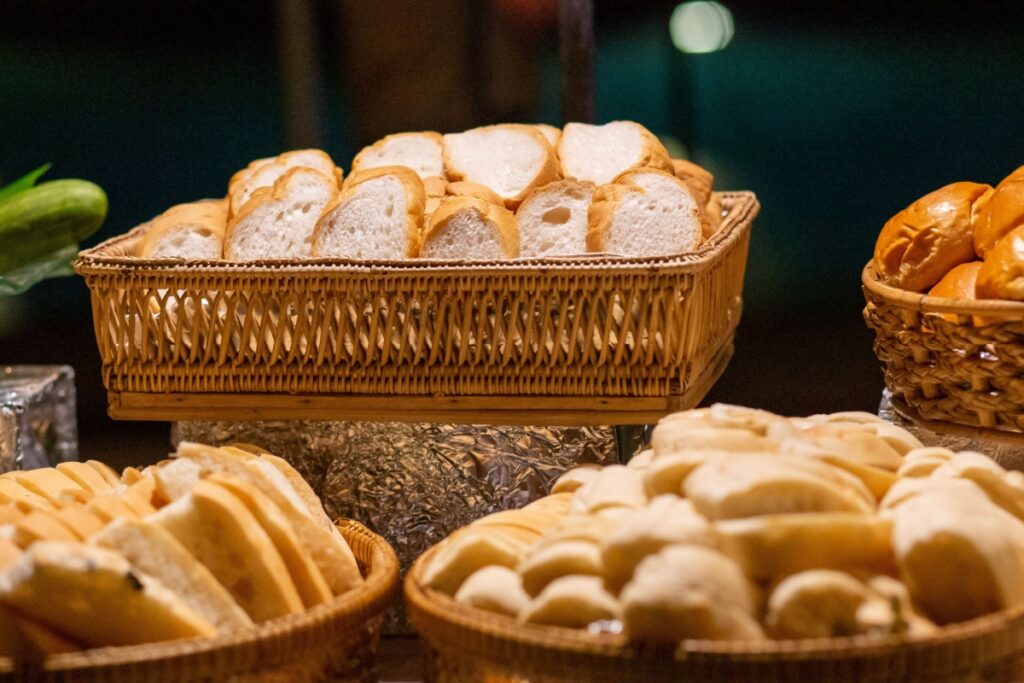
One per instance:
(699, 27)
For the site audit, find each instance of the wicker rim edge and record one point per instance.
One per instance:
(935, 304)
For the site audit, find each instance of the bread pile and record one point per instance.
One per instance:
(739, 524)
(496, 192)
(962, 241)
(210, 542)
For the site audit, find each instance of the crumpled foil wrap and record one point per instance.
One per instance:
(38, 427)
(1007, 450)
(416, 483)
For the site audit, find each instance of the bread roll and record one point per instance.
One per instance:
(820, 603)
(573, 602)
(553, 219)
(958, 283)
(600, 153)
(421, 152)
(190, 231)
(471, 228)
(1002, 213)
(495, 589)
(697, 178)
(571, 557)
(924, 241)
(266, 172)
(464, 554)
(1001, 276)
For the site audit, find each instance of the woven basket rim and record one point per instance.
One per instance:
(743, 208)
(351, 609)
(425, 604)
(935, 304)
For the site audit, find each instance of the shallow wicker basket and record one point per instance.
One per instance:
(466, 645)
(940, 364)
(333, 642)
(655, 330)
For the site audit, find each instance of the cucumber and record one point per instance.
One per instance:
(40, 220)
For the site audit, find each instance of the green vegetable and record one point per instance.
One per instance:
(23, 183)
(36, 222)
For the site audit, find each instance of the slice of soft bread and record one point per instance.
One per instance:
(278, 221)
(437, 192)
(422, 152)
(645, 212)
(697, 178)
(12, 492)
(379, 215)
(510, 159)
(105, 471)
(190, 231)
(266, 172)
(599, 153)
(154, 551)
(552, 133)
(85, 476)
(45, 481)
(470, 228)
(553, 219)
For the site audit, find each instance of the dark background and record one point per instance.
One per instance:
(836, 114)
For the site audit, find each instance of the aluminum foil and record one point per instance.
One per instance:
(38, 427)
(416, 483)
(1008, 451)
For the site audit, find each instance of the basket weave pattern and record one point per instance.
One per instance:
(941, 364)
(332, 642)
(569, 326)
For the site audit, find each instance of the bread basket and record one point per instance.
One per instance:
(333, 642)
(940, 366)
(418, 340)
(468, 645)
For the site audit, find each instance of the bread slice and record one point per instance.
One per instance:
(437, 192)
(379, 215)
(105, 471)
(41, 525)
(421, 152)
(219, 531)
(470, 228)
(189, 231)
(139, 497)
(175, 479)
(510, 159)
(278, 221)
(112, 603)
(29, 640)
(302, 489)
(552, 133)
(109, 506)
(553, 219)
(9, 553)
(154, 551)
(266, 172)
(697, 178)
(45, 481)
(599, 153)
(85, 476)
(82, 522)
(645, 212)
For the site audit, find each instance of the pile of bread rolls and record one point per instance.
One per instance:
(496, 192)
(739, 524)
(962, 241)
(210, 542)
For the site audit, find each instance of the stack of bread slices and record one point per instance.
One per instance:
(210, 542)
(490, 193)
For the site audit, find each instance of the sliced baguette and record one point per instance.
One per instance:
(189, 231)
(379, 215)
(82, 522)
(278, 221)
(510, 159)
(552, 133)
(85, 476)
(71, 588)
(105, 471)
(470, 228)
(154, 551)
(421, 152)
(697, 178)
(460, 188)
(109, 506)
(302, 488)
(599, 153)
(45, 481)
(28, 640)
(12, 492)
(9, 553)
(645, 212)
(41, 525)
(553, 219)
(266, 172)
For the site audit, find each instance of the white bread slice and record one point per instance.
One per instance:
(176, 478)
(470, 228)
(85, 476)
(510, 159)
(154, 551)
(105, 471)
(437, 192)
(599, 153)
(45, 481)
(302, 489)
(379, 215)
(12, 492)
(190, 231)
(139, 496)
(697, 178)
(308, 580)
(219, 531)
(550, 132)
(82, 522)
(645, 212)
(266, 172)
(109, 506)
(40, 525)
(29, 640)
(278, 221)
(553, 219)
(112, 603)
(422, 152)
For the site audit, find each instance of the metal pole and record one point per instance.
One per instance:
(576, 34)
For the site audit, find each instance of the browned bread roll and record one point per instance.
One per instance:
(1003, 212)
(1001, 276)
(924, 241)
(958, 283)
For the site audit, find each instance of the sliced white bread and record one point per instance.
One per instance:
(436, 193)
(51, 576)
(265, 172)
(511, 159)
(189, 231)
(105, 471)
(379, 215)
(553, 219)
(697, 178)
(552, 133)
(45, 481)
(422, 152)
(302, 489)
(278, 221)
(12, 492)
(471, 228)
(85, 476)
(599, 153)
(154, 551)
(645, 212)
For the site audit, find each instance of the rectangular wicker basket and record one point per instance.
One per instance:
(284, 338)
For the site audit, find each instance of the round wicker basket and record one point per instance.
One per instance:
(949, 360)
(467, 645)
(332, 642)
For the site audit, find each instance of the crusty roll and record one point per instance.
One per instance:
(958, 283)
(419, 151)
(924, 241)
(697, 178)
(193, 231)
(599, 153)
(1001, 275)
(1002, 213)
(471, 228)
(265, 172)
